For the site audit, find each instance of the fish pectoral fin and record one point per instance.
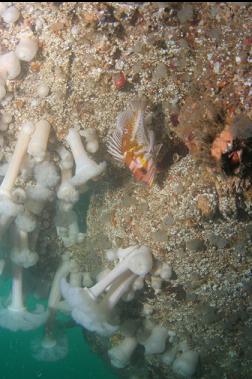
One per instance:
(114, 145)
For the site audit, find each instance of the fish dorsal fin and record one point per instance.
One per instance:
(139, 133)
(123, 119)
(124, 125)
(131, 123)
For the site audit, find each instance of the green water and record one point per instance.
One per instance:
(16, 358)
(81, 362)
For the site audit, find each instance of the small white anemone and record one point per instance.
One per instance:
(8, 211)
(10, 15)
(138, 284)
(92, 144)
(25, 221)
(147, 310)
(156, 342)
(37, 196)
(68, 194)
(87, 280)
(9, 66)
(68, 228)
(43, 90)
(120, 354)
(165, 272)
(111, 254)
(50, 349)
(27, 49)
(186, 364)
(46, 174)
(18, 195)
(66, 158)
(169, 356)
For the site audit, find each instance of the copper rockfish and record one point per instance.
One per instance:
(133, 144)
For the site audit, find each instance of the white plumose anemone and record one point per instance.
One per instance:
(95, 312)
(85, 167)
(64, 269)
(21, 254)
(9, 209)
(17, 158)
(120, 354)
(38, 144)
(156, 342)
(16, 316)
(50, 349)
(96, 316)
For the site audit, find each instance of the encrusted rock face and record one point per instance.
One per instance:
(188, 202)
(195, 222)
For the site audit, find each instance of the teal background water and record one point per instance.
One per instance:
(16, 360)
